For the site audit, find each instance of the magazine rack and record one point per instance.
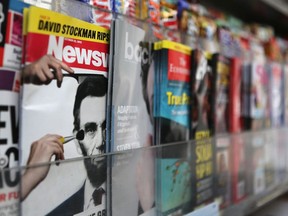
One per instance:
(67, 176)
(250, 170)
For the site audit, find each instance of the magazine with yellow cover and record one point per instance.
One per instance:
(63, 114)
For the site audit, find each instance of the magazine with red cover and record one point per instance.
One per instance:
(11, 33)
(234, 123)
(69, 110)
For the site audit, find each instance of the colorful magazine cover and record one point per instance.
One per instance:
(131, 87)
(172, 101)
(222, 88)
(275, 72)
(63, 102)
(11, 18)
(9, 115)
(255, 96)
(203, 127)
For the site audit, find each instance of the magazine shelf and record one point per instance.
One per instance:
(67, 176)
(227, 174)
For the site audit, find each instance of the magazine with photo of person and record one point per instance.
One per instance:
(63, 110)
(131, 119)
(9, 137)
(204, 68)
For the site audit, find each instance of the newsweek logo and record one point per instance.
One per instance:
(135, 52)
(75, 53)
(178, 66)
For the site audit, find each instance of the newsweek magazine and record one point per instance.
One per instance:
(11, 33)
(132, 173)
(48, 109)
(172, 65)
(9, 94)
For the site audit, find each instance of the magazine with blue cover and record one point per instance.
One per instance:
(173, 171)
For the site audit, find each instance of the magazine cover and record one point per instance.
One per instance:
(101, 12)
(172, 101)
(239, 173)
(76, 8)
(255, 96)
(93, 11)
(223, 170)
(132, 174)
(222, 77)
(275, 72)
(63, 102)
(203, 126)
(11, 19)
(285, 90)
(234, 123)
(9, 157)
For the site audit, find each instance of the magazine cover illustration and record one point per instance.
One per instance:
(63, 108)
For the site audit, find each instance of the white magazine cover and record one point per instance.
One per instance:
(63, 113)
(9, 152)
(132, 173)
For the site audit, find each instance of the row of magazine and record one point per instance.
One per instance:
(86, 90)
